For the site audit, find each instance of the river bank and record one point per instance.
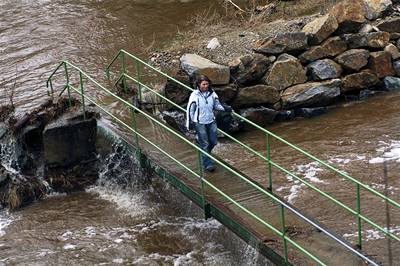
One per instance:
(287, 69)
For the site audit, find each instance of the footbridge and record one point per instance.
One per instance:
(249, 205)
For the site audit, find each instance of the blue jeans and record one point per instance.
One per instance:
(207, 138)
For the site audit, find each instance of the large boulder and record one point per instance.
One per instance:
(358, 81)
(321, 28)
(381, 64)
(256, 95)
(293, 42)
(176, 92)
(396, 67)
(390, 25)
(311, 112)
(312, 94)
(331, 47)
(376, 8)
(353, 59)
(391, 83)
(69, 140)
(226, 93)
(393, 51)
(350, 15)
(285, 72)
(195, 65)
(324, 69)
(249, 69)
(259, 115)
(372, 39)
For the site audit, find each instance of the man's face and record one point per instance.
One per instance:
(204, 86)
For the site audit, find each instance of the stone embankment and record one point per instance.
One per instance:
(47, 149)
(351, 52)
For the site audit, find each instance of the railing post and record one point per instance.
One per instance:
(285, 247)
(82, 95)
(51, 87)
(68, 90)
(267, 141)
(138, 73)
(134, 124)
(358, 217)
(123, 73)
(203, 199)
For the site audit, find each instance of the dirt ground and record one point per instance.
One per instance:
(236, 31)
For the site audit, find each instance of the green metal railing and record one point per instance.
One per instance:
(268, 135)
(284, 207)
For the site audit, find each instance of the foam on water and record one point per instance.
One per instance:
(372, 234)
(309, 172)
(133, 204)
(5, 220)
(387, 152)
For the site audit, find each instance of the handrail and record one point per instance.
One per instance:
(267, 159)
(262, 129)
(279, 167)
(200, 151)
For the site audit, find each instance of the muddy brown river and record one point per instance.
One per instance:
(153, 224)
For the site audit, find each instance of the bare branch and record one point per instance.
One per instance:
(235, 5)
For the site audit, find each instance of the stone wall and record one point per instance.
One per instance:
(350, 52)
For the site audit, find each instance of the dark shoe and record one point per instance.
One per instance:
(210, 168)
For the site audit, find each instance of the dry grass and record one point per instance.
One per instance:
(254, 16)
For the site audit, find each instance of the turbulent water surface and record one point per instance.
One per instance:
(142, 223)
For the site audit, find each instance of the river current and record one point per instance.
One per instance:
(152, 224)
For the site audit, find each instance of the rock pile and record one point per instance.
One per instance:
(353, 48)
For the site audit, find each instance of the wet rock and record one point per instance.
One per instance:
(324, 69)
(293, 42)
(285, 72)
(381, 64)
(194, 65)
(358, 81)
(390, 25)
(350, 15)
(396, 67)
(371, 39)
(256, 95)
(365, 94)
(69, 140)
(285, 115)
(259, 115)
(311, 112)
(226, 93)
(176, 120)
(229, 123)
(311, 94)
(366, 28)
(175, 92)
(353, 59)
(376, 8)
(331, 47)
(394, 36)
(321, 28)
(249, 69)
(391, 83)
(393, 51)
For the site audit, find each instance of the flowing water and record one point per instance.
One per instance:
(125, 219)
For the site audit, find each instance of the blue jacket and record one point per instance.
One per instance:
(201, 106)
